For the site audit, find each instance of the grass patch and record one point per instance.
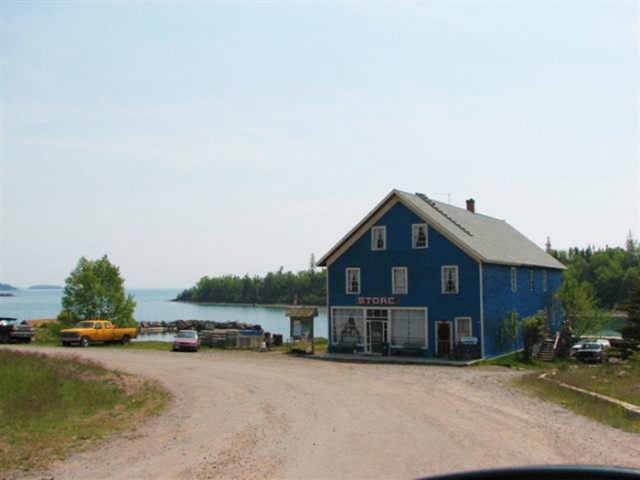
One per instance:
(320, 344)
(581, 404)
(514, 360)
(48, 335)
(50, 406)
(620, 381)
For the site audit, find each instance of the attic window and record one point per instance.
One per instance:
(450, 279)
(379, 238)
(419, 236)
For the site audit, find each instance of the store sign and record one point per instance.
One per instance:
(378, 301)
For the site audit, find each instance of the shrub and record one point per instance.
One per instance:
(533, 331)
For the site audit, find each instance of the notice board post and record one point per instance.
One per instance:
(301, 329)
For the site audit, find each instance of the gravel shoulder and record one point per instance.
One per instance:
(250, 415)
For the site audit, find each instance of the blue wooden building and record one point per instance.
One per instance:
(422, 277)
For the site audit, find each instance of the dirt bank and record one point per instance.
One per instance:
(249, 415)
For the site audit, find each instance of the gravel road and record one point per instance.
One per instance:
(250, 415)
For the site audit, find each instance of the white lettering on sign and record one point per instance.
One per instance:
(378, 301)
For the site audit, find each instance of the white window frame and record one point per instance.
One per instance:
(383, 229)
(347, 283)
(470, 327)
(514, 279)
(394, 289)
(532, 280)
(426, 325)
(414, 235)
(544, 280)
(364, 324)
(443, 281)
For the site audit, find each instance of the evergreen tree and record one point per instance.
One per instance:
(312, 264)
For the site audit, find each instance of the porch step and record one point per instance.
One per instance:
(547, 353)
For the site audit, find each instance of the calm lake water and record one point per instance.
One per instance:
(155, 305)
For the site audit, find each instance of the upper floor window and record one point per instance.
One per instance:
(544, 280)
(450, 279)
(379, 238)
(419, 235)
(399, 281)
(353, 280)
(531, 281)
(514, 279)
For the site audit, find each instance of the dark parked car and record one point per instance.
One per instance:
(591, 352)
(13, 330)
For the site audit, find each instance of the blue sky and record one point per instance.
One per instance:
(191, 139)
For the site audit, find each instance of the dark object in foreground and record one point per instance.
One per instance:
(13, 330)
(592, 352)
(551, 472)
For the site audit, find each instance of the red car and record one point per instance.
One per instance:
(186, 340)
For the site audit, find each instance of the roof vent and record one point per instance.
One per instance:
(471, 205)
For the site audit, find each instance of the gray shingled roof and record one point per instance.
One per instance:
(493, 240)
(487, 239)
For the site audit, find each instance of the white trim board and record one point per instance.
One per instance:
(481, 309)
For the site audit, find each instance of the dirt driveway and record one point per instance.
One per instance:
(250, 415)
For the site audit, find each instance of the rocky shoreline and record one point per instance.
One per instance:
(197, 325)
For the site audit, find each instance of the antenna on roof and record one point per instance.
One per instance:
(447, 194)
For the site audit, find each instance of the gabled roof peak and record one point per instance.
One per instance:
(484, 238)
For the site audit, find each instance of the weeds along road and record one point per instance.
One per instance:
(251, 415)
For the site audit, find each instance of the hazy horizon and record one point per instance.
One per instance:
(193, 139)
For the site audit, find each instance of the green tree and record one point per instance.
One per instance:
(95, 290)
(534, 330)
(611, 272)
(632, 330)
(276, 287)
(580, 312)
(509, 329)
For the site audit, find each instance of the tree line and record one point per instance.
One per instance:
(307, 287)
(609, 273)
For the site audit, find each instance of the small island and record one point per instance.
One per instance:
(7, 287)
(45, 287)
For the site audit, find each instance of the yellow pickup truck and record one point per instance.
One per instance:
(96, 331)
